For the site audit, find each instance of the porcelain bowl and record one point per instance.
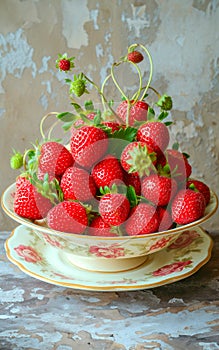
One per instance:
(108, 254)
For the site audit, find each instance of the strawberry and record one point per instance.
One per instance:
(77, 184)
(88, 144)
(135, 56)
(188, 206)
(178, 164)
(200, 186)
(138, 158)
(99, 227)
(113, 125)
(78, 86)
(138, 111)
(107, 172)
(159, 189)
(64, 63)
(54, 158)
(68, 217)
(155, 134)
(143, 219)
(16, 160)
(28, 203)
(165, 219)
(114, 208)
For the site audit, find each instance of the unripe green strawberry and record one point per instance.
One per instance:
(78, 86)
(16, 160)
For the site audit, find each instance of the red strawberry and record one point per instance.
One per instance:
(159, 189)
(28, 203)
(155, 134)
(114, 208)
(88, 144)
(131, 179)
(188, 206)
(68, 217)
(138, 158)
(142, 220)
(200, 186)
(99, 227)
(135, 56)
(107, 172)
(54, 158)
(64, 64)
(77, 184)
(165, 219)
(178, 163)
(138, 112)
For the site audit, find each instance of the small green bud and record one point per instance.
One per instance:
(78, 87)
(165, 103)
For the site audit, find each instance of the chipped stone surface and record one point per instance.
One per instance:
(37, 315)
(182, 37)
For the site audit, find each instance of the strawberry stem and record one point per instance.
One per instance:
(151, 66)
(42, 122)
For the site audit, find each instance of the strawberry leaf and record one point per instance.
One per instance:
(150, 114)
(89, 106)
(127, 134)
(162, 116)
(66, 117)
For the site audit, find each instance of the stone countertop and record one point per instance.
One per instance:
(38, 315)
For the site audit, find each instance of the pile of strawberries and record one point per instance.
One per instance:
(118, 175)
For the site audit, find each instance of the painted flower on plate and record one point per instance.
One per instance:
(28, 253)
(112, 251)
(161, 243)
(171, 268)
(184, 240)
(52, 241)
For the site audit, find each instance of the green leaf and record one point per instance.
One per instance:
(175, 146)
(66, 116)
(150, 113)
(76, 106)
(127, 134)
(162, 116)
(67, 126)
(168, 123)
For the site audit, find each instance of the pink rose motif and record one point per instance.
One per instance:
(184, 240)
(112, 251)
(171, 268)
(52, 241)
(28, 253)
(161, 243)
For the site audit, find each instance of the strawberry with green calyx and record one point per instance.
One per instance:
(114, 207)
(78, 85)
(188, 206)
(28, 202)
(67, 216)
(77, 184)
(158, 189)
(107, 172)
(133, 180)
(138, 158)
(143, 219)
(200, 186)
(64, 63)
(88, 144)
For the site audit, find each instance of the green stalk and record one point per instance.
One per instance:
(43, 120)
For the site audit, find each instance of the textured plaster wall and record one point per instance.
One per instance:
(182, 37)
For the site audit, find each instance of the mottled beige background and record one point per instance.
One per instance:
(182, 37)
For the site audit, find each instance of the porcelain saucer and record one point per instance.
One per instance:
(43, 261)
